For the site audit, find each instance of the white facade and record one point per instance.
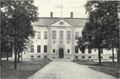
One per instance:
(56, 38)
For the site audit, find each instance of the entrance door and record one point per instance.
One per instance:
(61, 53)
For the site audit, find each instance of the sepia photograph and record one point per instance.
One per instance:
(59, 39)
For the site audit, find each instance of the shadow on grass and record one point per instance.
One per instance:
(105, 67)
(24, 70)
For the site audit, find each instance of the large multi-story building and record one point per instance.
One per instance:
(56, 37)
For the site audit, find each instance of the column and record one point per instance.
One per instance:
(73, 40)
(49, 40)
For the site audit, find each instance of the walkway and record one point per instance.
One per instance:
(68, 70)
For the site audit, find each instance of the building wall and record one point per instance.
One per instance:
(63, 43)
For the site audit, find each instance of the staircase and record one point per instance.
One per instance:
(63, 60)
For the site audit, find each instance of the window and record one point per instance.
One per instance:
(83, 51)
(61, 34)
(83, 57)
(38, 35)
(32, 48)
(61, 23)
(68, 35)
(45, 35)
(53, 50)
(76, 57)
(53, 34)
(38, 56)
(45, 49)
(38, 48)
(76, 49)
(68, 50)
(89, 57)
(76, 35)
(89, 51)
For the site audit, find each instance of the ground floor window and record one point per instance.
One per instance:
(53, 50)
(32, 49)
(45, 49)
(38, 48)
(89, 51)
(68, 50)
(76, 49)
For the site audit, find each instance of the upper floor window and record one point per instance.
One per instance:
(45, 49)
(53, 34)
(68, 35)
(32, 48)
(61, 34)
(38, 35)
(76, 35)
(45, 35)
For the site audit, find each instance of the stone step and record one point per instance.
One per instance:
(62, 60)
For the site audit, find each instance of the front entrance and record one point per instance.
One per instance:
(61, 53)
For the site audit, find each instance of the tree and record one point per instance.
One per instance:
(100, 31)
(17, 29)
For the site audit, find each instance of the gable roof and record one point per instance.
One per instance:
(61, 23)
(47, 21)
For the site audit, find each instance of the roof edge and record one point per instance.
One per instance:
(59, 18)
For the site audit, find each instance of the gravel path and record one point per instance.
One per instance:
(68, 70)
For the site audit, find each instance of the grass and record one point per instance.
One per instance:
(105, 67)
(24, 70)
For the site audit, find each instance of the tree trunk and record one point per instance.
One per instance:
(1, 58)
(19, 57)
(99, 56)
(7, 56)
(118, 60)
(113, 56)
(118, 56)
(15, 59)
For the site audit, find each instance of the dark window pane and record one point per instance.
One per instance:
(32, 48)
(45, 49)
(76, 49)
(38, 48)
(68, 50)
(89, 51)
(53, 50)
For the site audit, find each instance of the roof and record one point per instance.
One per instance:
(47, 21)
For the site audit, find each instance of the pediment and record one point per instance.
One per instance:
(61, 23)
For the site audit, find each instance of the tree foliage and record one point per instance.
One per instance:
(102, 29)
(103, 24)
(16, 19)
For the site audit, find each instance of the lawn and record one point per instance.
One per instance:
(24, 70)
(106, 67)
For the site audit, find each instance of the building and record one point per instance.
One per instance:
(56, 37)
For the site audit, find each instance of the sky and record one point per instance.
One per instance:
(67, 6)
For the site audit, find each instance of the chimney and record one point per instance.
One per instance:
(71, 15)
(51, 14)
